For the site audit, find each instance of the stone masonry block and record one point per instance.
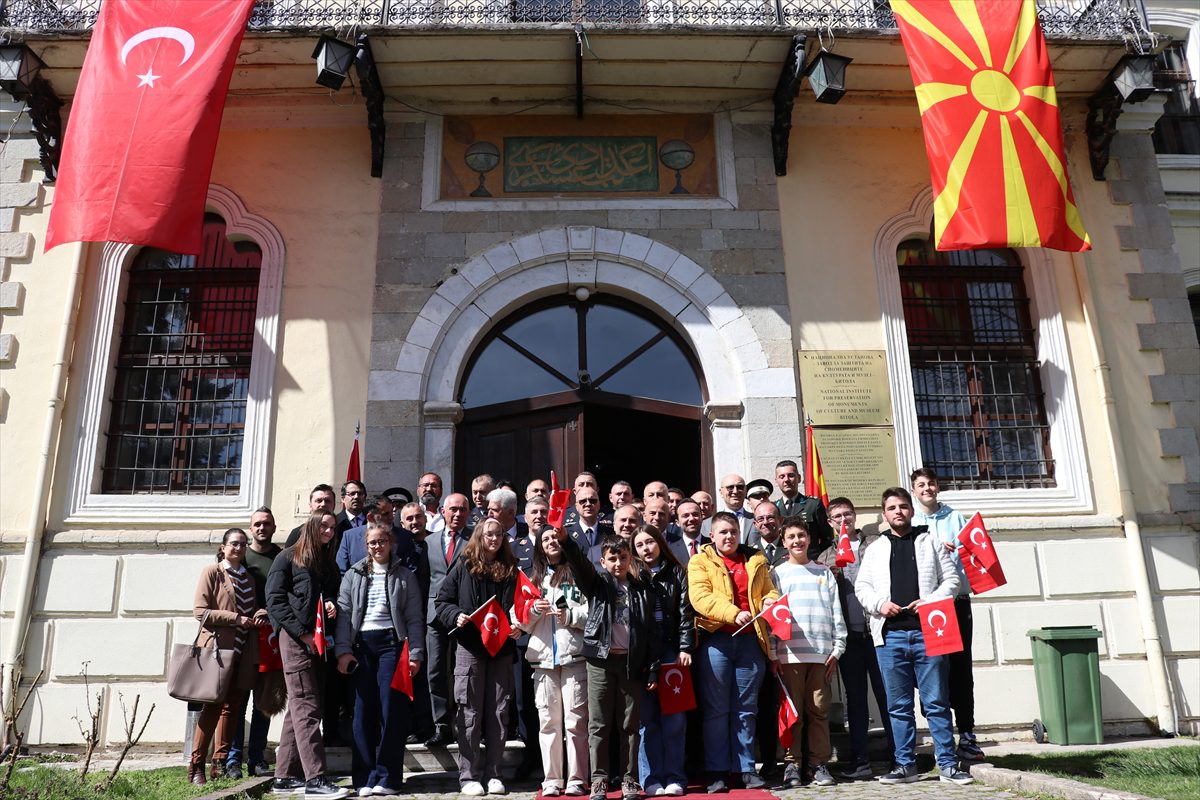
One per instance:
(1178, 441)
(1014, 620)
(446, 245)
(49, 715)
(12, 294)
(753, 240)
(1154, 336)
(1126, 192)
(1144, 286)
(1181, 361)
(71, 583)
(729, 220)
(1184, 497)
(111, 647)
(1176, 562)
(751, 140)
(1171, 309)
(1166, 388)
(1178, 615)
(20, 195)
(1160, 259)
(16, 245)
(757, 197)
(8, 348)
(698, 218)
(1125, 627)
(634, 218)
(160, 583)
(1086, 566)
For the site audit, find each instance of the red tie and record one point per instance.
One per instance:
(694, 546)
(450, 548)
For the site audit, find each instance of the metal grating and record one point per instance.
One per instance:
(1061, 19)
(976, 379)
(183, 370)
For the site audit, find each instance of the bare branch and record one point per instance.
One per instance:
(131, 740)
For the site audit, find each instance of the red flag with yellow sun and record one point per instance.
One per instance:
(992, 130)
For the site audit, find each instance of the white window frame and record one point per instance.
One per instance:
(1073, 491)
(85, 503)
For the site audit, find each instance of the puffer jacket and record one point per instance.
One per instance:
(679, 619)
(936, 577)
(404, 604)
(645, 640)
(552, 644)
(711, 590)
(293, 592)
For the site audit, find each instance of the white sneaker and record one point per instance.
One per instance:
(673, 790)
(496, 786)
(576, 789)
(383, 791)
(654, 790)
(366, 791)
(473, 789)
(552, 790)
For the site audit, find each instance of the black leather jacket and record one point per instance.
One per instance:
(645, 639)
(679, 620)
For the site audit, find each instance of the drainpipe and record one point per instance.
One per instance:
(1155, 660)
(14, 650)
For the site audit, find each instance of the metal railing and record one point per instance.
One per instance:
(1061, 19)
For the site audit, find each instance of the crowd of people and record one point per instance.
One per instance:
(376, 609)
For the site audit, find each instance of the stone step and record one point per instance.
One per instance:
(421, 759)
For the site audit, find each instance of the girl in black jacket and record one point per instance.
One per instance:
(660, 760)
(299, 577)
(483, 683)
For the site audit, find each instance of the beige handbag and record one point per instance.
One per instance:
(200, 674)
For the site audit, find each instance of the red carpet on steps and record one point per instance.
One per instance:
(693, 791)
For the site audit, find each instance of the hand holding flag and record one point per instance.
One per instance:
(269, 657)
(780, 622)
(319, 641)
(981, 578)
(845, 551)
(559, 498)
(402, 679)
(939, 626)
(493, 625)
(526, 594)
(675, 690)
(974, 537)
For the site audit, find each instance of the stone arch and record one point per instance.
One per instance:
(493, 283)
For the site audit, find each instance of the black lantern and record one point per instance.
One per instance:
(334, 59)
(19, 66)
(1133, 78)
(827, 76)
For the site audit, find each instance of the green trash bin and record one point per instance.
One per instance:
(1066, 667)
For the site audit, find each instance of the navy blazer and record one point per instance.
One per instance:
(679, 548)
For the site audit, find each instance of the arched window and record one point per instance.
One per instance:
(183, 369)
(603, 345)
(981, 410)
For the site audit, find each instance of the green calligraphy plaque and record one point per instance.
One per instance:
(575, 164)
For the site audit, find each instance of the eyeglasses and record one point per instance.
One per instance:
(236, 545)
(738, 487)
(588, 501)
(374, 545)
(843, 515)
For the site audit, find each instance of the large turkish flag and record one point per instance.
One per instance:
(142, 131)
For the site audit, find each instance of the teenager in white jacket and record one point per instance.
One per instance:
(905, 568)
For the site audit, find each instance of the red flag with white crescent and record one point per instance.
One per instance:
(142, 135)
(939, 626)
(402, 679)
(982, 579)
(269, 657)
(845, 550)
(975, 538)
(993, 133)
(788, 716)
(676, 692)
(779, 618)
(493, 625)
(319, 627)
(523, 600)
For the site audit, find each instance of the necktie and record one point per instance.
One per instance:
(770, 554)
(450, 547)
(694, 541)
(591, 536)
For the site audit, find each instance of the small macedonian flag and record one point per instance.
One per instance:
(992, 130)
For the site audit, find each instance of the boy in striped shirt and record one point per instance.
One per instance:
(807, 661)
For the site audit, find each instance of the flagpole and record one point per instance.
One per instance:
(485, 602)
(751, 622)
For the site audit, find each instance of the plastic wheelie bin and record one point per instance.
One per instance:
(1066, 667)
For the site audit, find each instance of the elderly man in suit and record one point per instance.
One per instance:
(443, 547)
(733, 496)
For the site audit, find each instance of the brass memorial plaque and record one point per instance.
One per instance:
(859, 463)
(845, 387)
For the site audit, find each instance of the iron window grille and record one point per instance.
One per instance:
(981, 413)
(1177, 131)
(183, 370)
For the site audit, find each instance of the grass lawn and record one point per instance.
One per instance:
(1169, 772)
(33, 781)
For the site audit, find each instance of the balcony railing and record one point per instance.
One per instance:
(1061, 19)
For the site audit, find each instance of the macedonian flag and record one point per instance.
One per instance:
(992, 131)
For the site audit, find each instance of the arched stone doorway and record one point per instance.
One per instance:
(727, 348)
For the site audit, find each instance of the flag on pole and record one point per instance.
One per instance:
(779, 618)
(939, 626)
(402, 679)
(845, 550)
(354, 469)
(974, 537)
(989, 112)
(142, 135)
(559, 499)
(788, 716)
(523, 600)
(676, 692)
(982, 579)
(814, 476)
(319, 626)
(493, 625)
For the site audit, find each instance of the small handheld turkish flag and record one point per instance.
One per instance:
(319, 626)
(974, 537)
(523, 600)
(779, 618)
(939, 626)
(845, 551)
(981, 578)
(788, 716)
(493, 625)
(402, 677)
(675, 690)
(269, 658)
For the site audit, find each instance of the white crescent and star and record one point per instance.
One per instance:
(937, 613)
(674, 673)
(185, 39)
(982, 544)
(273, 640)
(488, 616)
(527, 590)
(775, 609)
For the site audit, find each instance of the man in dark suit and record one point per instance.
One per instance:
(412, 550)
(588, 529)
(354, 541)
(766, 533)
(733, 497)
(320, 500)
(626, 521)
(582, 480)
(480, 487)
(536, 511)
(354, 506)
(795, 503)
(658, 514)
(444, 547)
(691, 519)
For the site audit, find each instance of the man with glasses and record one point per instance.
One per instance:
(733, 496)
(588, 529)
(354, 506)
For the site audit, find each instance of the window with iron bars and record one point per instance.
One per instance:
(1177, 131)
(981, 411)
(183, 369)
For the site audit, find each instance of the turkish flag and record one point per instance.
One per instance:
(981, 578)
(675, 690)
(493, 625)
(402, 678)
(939, 626)
(993, 133)
(779, 618)
(354, 468)
(269, 657)
(523, 600)
(845, 551)
(319, 626)
(788, 716)
(974, 537)
(142, 134)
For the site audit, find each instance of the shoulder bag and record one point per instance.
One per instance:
(200, 674)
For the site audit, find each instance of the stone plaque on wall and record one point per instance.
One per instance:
(859, 463)
(845, 387)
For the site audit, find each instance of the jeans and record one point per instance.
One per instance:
(858, 664)
(905, 666)
(660, 756)
(731, 673)
(380, 713)
(255, 749)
